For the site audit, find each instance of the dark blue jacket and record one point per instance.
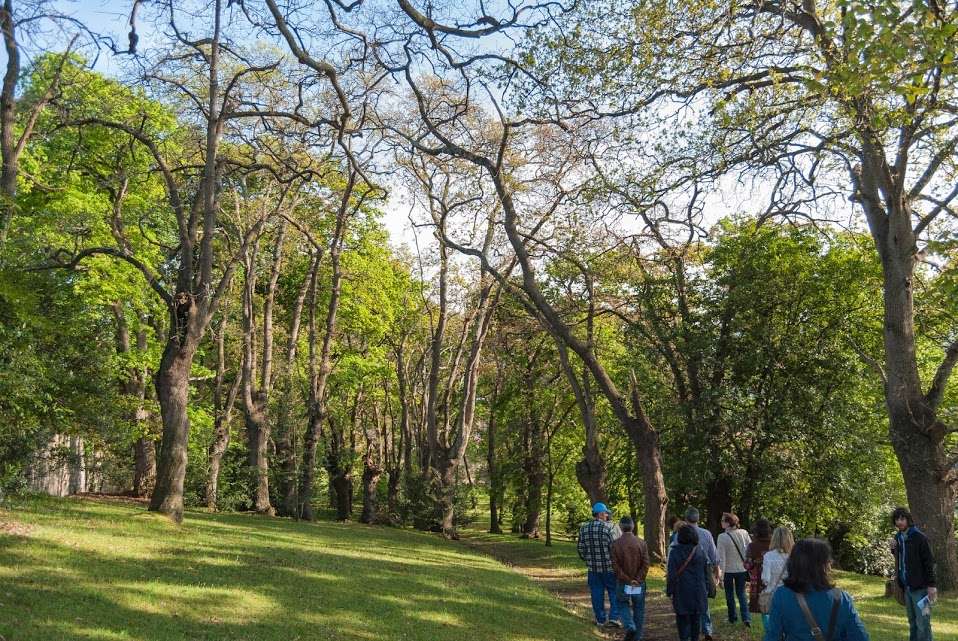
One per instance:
(688, 591)
(914, 561)
(787, 622)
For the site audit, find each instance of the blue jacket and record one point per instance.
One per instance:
(786, 620)
(688, 591)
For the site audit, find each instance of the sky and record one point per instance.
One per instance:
(110, 18)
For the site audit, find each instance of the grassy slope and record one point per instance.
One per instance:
(884, 618)
(89, 570)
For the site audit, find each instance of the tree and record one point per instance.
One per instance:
(802, 93)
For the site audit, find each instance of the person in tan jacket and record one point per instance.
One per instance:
(630, 562)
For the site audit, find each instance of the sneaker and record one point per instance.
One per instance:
(612, 623)
(629, 636)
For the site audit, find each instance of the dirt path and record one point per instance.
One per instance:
(569, 586)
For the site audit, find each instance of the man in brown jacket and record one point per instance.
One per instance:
(630, 562)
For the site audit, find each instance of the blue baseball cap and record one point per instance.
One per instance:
(599, 507)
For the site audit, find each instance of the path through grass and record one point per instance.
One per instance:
(559, 569)
(84, 570)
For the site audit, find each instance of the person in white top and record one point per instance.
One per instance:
(773, 563)
(731, 545)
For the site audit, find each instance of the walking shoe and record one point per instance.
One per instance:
(629, 636)
(612, 623)
(708, 637)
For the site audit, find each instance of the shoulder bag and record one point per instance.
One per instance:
(737, 549)
(813, 624)
(685, 564)
(765, 596)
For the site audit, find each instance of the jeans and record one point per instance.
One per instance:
(706, 623)
(599, 584)
(631, 609)
(688, 625)
(919, 625)
(735, 586)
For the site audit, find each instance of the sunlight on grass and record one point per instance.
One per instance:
(93, 570)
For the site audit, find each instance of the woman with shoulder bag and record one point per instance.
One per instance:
(685, 583)
(808, 607)
(731, 545)
(773, 568)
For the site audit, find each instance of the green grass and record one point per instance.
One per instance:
(884, 619)
(89, 570)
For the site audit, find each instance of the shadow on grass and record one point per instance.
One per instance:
(93, 571)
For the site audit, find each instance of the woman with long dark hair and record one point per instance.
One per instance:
(808, 607)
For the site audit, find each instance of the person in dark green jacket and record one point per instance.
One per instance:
(808, 580)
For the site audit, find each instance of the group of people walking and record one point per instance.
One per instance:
(751, 568)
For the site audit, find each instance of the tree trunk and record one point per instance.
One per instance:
(718, 499)
(590, 471)
(645, 440)
(530, 529)
(371, 474)
(342, 484)
(8, 121)
(494, 476)
(549, 492)
(144, 467)
(536, 442)
(172, 383)
(222, 410)
(308, 473)
(221, 440)
(446, 497)
(320, 358)
(494, 480)
(134, 386)
(392, 492)
(257, 432)
(917, 435)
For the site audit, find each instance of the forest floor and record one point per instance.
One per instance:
(559, 570)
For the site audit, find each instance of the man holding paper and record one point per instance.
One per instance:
(630, 562)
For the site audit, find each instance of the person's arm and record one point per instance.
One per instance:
(766, 571)
(720, 550)
(617, 565)
(855, 629)
(670, 576)
(580, 545)
(774, 630)
(710, 552)
(644, 562)
(928, 568)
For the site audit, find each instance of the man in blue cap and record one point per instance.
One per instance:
(595, 548)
